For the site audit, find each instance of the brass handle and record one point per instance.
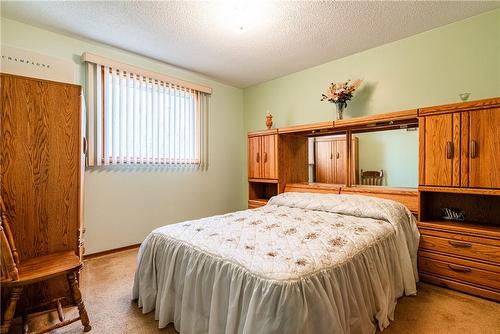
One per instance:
(458, 268)
(338, 155)
(265, 156)
(459, 244)
(473, 149)
(449, 150)
(258, 157)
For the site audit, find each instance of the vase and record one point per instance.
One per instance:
(269, 121)
(340, 109)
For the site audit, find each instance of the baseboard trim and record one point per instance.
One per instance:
(110, 251)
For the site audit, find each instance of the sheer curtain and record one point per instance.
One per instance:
(135, 118)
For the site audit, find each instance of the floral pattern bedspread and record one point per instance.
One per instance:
(296, 234)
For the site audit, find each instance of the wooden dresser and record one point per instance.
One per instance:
(41, 171)
(460, 168)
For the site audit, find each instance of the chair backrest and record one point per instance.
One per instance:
(9, 257)
(372, 177)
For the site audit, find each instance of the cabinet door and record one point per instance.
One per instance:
(40, 172)
(484, 148)
(324, 165)
(339, 157)
(441, 151)
(269, 151)
(254, 157)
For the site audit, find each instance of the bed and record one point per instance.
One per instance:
(303, 263)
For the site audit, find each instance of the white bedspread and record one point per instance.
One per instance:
(304, 263)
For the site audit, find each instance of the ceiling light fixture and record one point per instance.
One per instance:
(242, 16)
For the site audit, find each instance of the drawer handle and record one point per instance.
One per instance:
(460, 244)
(473, 149)
(258, 157)
(265, 157)
(449, 150)
(461, 269)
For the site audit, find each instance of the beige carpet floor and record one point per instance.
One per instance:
(107, 282)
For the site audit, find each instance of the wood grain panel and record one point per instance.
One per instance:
(469, 232)
(40, 159)
(485, 156)
(460, 286)
(292, 160)
(254, 157)
(256, 203)
(421, 150)
(376, 120)
(269, 156)
(478, 274)
(456, 134)
(305, 187)
(339, 148)
(462, 106)
(438, 139)
(464, 150)
(462, 247)
(476, 191)
(323, 164)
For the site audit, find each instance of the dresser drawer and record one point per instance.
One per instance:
(461, 246)
(460, 270)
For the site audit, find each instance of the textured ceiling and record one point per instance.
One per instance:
(278, 38)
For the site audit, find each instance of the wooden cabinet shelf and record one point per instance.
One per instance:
(468, 228)
(256, 203)
(453, 190)
(260, 192)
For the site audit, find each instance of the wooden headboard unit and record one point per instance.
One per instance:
(406, 196)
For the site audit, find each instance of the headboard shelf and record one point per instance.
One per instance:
(406, 196)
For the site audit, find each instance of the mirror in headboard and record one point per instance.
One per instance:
(378, 158)
(328, 159)
(388, 158)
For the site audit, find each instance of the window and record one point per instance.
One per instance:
(139, 119)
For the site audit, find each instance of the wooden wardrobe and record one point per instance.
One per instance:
(331, 159)
(41, 161)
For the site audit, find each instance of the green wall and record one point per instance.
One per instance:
(122, 205)
(422, 70)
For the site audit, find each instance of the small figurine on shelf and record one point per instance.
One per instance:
(269, 120)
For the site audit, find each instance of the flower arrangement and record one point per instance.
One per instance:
(339, 93)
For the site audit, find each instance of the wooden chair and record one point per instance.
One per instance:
(15, 275)
(372, 177)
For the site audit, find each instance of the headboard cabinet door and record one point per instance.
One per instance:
(484, 148)
(440, 151)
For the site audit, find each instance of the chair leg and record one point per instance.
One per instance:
(77, 298)
(10, 310)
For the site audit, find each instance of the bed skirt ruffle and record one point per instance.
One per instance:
(199, 292)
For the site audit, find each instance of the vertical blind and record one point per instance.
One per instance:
(139, 119)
